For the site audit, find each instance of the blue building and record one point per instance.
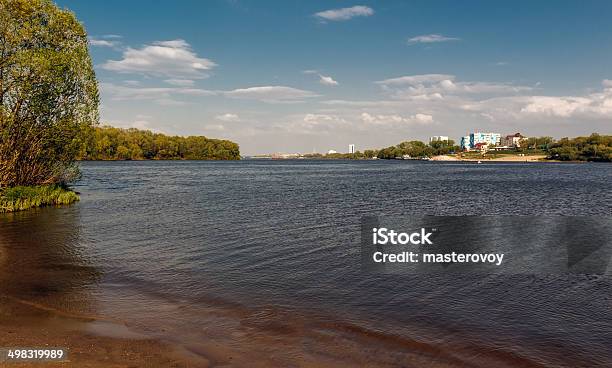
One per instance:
(478, 139)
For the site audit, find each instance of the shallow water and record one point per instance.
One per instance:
(166, 245)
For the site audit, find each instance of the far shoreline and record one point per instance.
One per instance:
(441, 159)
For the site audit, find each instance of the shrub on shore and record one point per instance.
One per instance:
(24, 197)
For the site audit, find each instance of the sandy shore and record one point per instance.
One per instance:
(27, 325)
(238, 339)
(504, 158)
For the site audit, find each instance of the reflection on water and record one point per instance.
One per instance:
(42, 261)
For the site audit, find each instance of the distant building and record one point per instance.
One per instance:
(438, 138)
(478, 139)
(351, 148)
(513, 140)
(331, 152)
(482, 147)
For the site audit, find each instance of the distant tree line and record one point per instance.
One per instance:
(109, 143)
(592, 148)
(417, 149)
(414, 149)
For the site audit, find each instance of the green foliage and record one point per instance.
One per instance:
(531, 143)
(108, 143)
(21, 197)
(592, 148)
(48, 92)
(418, 149)
(444, 147)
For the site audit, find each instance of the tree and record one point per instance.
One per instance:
(48, 92)
(536, 143)
(108, 143)
(444, 147)
(592, 148)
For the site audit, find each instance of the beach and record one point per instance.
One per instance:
(27, 325)
(502, 158)
(251, 342)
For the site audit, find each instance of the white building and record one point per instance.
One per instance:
(331, 152)
(513, 140)
(351, 148)
(438, 138)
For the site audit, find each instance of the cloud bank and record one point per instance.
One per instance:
(174, 59)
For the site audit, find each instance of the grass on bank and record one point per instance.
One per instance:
(24, 197)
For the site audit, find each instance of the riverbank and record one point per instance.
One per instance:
(25, 197)
(107, 344)
(231, 338)
(494, 158)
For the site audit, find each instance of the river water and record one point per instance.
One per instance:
(187, 251)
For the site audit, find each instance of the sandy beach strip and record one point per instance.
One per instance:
(504, 158)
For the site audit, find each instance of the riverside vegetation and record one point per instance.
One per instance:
(48, 99)
(23, 197)
(108, 143)
(49, 111)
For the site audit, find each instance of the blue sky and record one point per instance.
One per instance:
(298, 76)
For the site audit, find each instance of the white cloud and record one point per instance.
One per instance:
(327, 81)
(362, 103)
(174, 59)
(555, 106)
(394, 119)
(435, 86)
(566, 106)
(180, 82)
(315, 123)
(270, 93)
(228, 117)
(109, 40)
(607, 83)
(324, 80)
(594, 106)
(161, 95)
(316, 119)
(431, 38)
(345, 13)
(423, 118)
(102, 43)
(416, 79)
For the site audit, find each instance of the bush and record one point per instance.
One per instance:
(21, 197)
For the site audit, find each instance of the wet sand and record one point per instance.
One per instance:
(26, 325)
(227, 338)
